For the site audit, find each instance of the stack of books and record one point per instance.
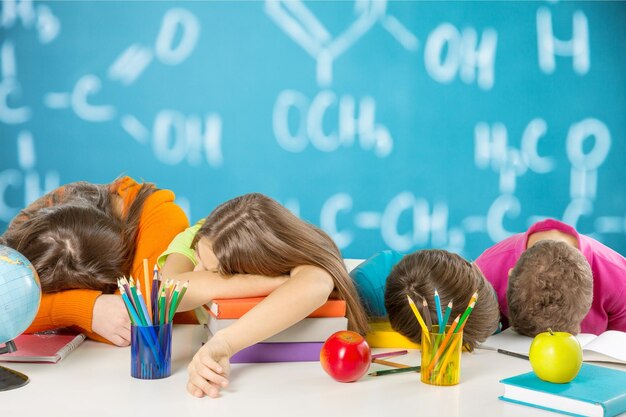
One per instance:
(301, 342)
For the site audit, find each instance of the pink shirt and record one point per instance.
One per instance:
(608, 309)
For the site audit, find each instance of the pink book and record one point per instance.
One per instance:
(46, 347)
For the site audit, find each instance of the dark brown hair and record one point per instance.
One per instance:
(420, 273)
(75, 239)
(253, 234)
(551, 286)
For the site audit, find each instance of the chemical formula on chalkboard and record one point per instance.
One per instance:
(400, 125)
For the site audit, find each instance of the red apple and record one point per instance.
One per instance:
(345, 356)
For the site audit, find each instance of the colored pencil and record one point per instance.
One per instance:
(126, 287)
(442, 347)
(148, 291)
(389, 354)
(395, 371)
(388, 363)
(459, 328)
(419, 318)
(465, 315)
(149, 337)
(131, 310)
(515, 355)
(133, 290)
(144, 308)
(444, 362)
(446, 316)
(154, 290)
(162, 306)
(442, 325)
(426, 314)
(181, 295)
(168, 299)
(172, 309)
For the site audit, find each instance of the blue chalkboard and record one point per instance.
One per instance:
(390, 124)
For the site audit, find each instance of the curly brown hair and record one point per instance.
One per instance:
(420, 273)
(551, 286)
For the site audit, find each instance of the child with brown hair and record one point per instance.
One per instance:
(253, 246)
(552, 276)
(418, 275)
(551, 286)
(80, 238)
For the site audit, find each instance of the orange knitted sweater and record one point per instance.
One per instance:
(161, 220)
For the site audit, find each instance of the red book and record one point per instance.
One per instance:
(234, 308)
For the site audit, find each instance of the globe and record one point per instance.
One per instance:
(20, 293)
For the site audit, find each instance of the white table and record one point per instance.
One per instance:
(95, 380)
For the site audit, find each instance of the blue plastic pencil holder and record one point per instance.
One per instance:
(151, 351)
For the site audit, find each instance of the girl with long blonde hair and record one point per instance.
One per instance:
(253, 246)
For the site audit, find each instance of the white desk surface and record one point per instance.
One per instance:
(94, 380)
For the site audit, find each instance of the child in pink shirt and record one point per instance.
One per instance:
(542, 280)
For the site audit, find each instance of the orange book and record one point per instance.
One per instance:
(234, 308)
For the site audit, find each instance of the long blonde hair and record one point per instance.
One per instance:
(253, 234)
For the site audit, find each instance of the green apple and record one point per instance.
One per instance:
(556, 356)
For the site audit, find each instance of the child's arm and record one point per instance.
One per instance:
(307, 289)
(205, 286)
(81, 308)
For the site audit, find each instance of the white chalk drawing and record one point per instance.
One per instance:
(450, 53)
(26, 181)
(406, 221)
(177, 137)
(130, 64)
(548, 46)
(39, 18)
(135, 128)
(301, 25)
(134, 60)
(584, 177)
(11, 88)
(7, 60)
(356, 124)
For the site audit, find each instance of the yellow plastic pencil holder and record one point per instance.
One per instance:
(441, 357)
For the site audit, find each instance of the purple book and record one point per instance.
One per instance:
(279, 352)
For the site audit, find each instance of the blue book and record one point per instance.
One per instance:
(596, 391)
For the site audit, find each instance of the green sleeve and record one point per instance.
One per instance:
(182, 245)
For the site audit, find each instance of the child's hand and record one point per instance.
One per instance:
(209, 368)
(110, 319)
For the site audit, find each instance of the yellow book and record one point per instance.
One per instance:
(381, 335)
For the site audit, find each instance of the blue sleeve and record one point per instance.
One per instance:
(370, 278)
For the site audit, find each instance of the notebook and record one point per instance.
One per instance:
(610, 346)
(234, 308)
(43, 347)
(596, 391)
(306, 330)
